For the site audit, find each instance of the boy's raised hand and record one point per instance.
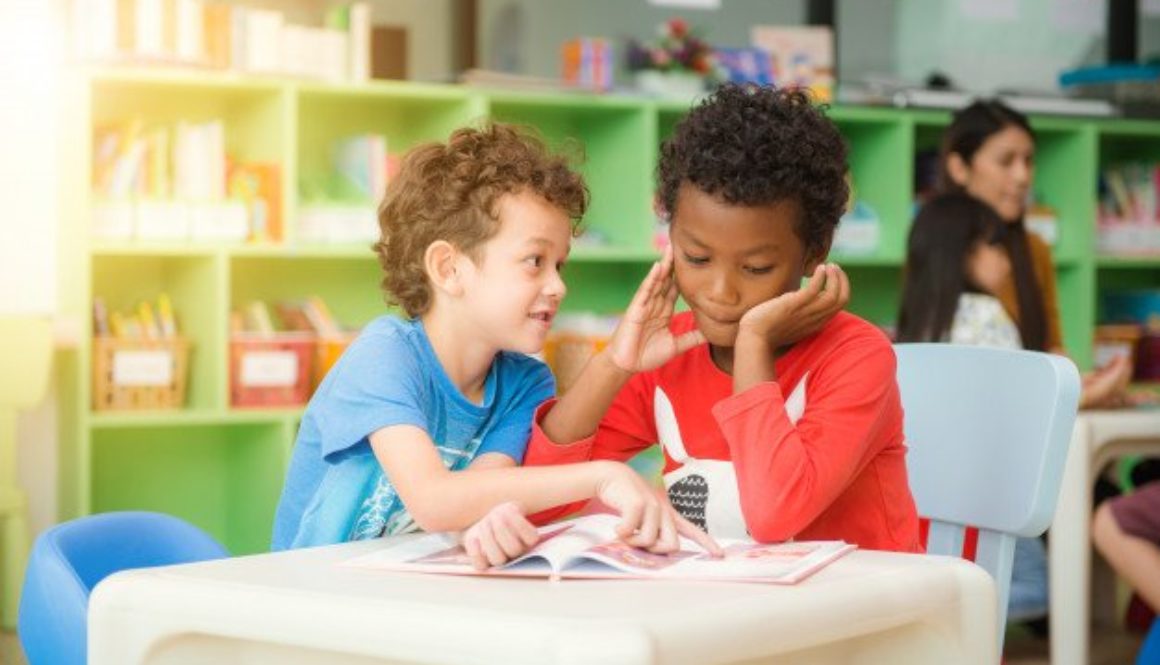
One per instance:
(795, 315)
(499, 536)
(643, 340)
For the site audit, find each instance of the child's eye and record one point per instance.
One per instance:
(560, 266)
(534, 261)
(696, 260)
(756, 270)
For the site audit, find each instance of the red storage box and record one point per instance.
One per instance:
(271, 370)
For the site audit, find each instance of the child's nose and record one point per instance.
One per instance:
(722, 288)
(555, 288)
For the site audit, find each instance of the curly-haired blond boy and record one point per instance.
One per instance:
(420, 422)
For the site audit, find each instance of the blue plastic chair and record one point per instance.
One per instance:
(69, 559)
(987, 431)
(1150, 649)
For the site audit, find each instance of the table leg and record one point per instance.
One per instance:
(1069, 555)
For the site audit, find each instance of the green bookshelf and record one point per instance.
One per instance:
(222, 467)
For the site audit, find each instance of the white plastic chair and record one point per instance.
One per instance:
(987, 431)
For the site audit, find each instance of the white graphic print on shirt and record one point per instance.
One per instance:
(704, 491)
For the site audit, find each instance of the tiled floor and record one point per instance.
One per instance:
(1109, 647)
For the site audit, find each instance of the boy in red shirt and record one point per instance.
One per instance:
(778, 413)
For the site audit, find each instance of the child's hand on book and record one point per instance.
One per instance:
(643, 340)
(795, 315)
(647, 519)
(499, 536)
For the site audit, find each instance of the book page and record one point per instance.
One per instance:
(442, 553)
(629, 559)
(587, 547)
(776, 562)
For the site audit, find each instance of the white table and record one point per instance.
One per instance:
(301, 607)
(1098, 438)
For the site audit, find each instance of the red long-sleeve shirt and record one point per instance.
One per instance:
(827, 462)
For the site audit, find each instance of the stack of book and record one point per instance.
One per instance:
(224, 36)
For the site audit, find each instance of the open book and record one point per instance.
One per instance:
(587, 547)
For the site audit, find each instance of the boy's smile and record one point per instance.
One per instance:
(729, 258)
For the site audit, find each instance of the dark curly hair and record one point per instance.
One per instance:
(757, 145)
(451, 192)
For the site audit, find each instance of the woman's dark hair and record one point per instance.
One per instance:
(970, 128)
(756, 145)
(945, 231)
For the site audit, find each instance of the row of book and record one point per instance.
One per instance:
(224, 36)
(184, 161)
(362, 166)
(341, 205)
(176, 182)
(156, 320)
(1128, 193)
(1129, 209)
(148, 321)
(309, 315)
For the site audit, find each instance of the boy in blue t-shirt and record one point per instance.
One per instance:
(419, 423)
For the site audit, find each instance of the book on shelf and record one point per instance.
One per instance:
(587, 548)
(234, 36)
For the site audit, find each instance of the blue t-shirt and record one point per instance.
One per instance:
(336, 490)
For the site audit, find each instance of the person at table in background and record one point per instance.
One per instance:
(1126, 531)
(988, 151)
(783, 421)
(420, 422)
(956, 267)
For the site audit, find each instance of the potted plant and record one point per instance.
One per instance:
(676, 64)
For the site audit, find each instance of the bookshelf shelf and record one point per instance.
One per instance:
(866, 260)
(222, 468)
(1128, 262)
(180, 418)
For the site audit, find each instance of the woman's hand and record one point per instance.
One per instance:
(643, 340)
(499, 536)
(1107, 386)
(795, 315)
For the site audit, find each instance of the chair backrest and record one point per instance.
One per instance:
(69, 559)
(987, 432)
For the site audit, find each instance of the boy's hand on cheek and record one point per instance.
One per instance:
(499, 536)
(795, 315)
(643, 340)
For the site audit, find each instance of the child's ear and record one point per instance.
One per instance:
(957, 169)
(441, 262)
(816, 257)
